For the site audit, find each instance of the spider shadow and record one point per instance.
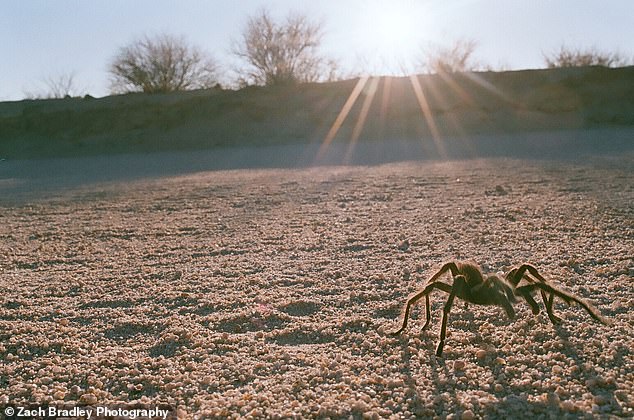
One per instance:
(440, 368)
(512, 398)
(587, 375)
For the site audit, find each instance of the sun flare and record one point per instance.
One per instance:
(392, 36)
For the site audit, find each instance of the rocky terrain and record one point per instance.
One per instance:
(269, 292)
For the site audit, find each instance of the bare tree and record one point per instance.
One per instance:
(62, 85)
(569, 57)
(277, 53)
(164, 63)
(453, 59)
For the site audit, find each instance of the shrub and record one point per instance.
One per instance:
(161, 64)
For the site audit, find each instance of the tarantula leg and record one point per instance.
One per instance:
(506, 296)
(568, 298)
(548, 301)
(508, 308)
(415, 298)
(427, 313)
(531, 302)
(457, 288)
(450, 266)
(554, 319)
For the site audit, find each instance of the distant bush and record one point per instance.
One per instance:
(161, 64)
(280, 53)
(62, 85)
(452, 59)
(568, 57)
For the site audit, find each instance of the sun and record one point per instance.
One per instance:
(392, 35)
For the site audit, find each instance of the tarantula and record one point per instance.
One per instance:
(472, 286)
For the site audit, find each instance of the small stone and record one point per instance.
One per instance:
(553, 398)
(600, 399)
(88, 398)
(481, 354)
(568, 406)
(467, 415)
(360, 406)
(459, 365)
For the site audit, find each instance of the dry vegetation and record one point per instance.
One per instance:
(267, 293)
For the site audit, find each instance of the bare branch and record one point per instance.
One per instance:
(164, 63)
(453, 59)
(569, 57)
(61, 85)
(282, 53)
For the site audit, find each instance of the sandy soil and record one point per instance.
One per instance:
(268, 292)
(21, 179)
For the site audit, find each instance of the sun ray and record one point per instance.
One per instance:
(365, 108)
(345, 110)
(464, 96)
(480, 81)
(426, 110)
(387, 91)
(438, 95)
(451, 82)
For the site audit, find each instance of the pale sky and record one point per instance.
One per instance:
(44, 38)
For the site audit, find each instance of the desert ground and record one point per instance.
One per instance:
(270, 292)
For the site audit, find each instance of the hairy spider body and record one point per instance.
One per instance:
(472, 286)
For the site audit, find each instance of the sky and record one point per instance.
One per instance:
(47, 38)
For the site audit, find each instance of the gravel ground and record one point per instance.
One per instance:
(268, 293)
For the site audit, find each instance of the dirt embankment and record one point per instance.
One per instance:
(458, 106)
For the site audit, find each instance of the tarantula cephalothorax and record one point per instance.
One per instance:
(470, 285)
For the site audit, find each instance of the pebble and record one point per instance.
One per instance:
(459, 365)
(467, 415)
(568, 406)
(600, 399)
(88, 398)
